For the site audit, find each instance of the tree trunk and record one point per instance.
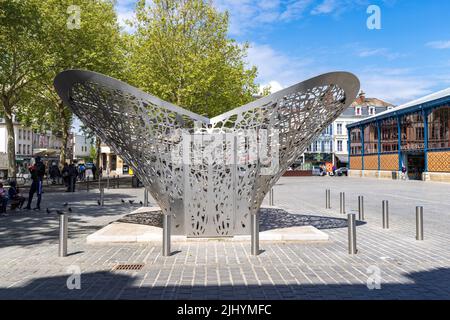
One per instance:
(12, 170)
(63, 151)
(65, 130)
(98, 143)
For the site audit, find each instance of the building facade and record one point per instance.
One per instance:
(409, 142)
(48, 146)
(111, 163)
(331, 146)
(23, 145)
(81, 147)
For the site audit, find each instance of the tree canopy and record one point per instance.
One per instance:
(181, 53)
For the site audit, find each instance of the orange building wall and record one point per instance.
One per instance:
(389, 162)
(439, 161)
(355, 163)
(371, 162)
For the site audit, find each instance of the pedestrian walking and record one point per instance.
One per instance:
(72, 174)
(54, 173)
(37, 171)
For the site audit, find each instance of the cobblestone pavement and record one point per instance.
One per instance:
(409, 269)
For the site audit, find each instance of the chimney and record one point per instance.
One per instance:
(362, 97)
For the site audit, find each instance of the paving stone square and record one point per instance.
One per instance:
(409, 269)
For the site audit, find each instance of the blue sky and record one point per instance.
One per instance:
(292, 40)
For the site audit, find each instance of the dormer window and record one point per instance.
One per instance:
(358, 111)
(371, 111)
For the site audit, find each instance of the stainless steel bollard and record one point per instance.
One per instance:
(63, 233)
(419, 223)
(107, 182)
(118, 182)
(166, 235)
(352, 234)
(361, 208)
(385, 208)
(255, 234)
(271, 197)
(102, 196)
(145, 197)
(342, 202)
(327, 199)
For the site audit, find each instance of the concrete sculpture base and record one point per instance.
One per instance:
(120, 232)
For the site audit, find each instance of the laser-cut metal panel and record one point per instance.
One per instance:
(208, 197)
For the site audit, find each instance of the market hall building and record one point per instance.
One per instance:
(411, 141)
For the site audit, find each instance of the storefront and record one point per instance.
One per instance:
(408, 142)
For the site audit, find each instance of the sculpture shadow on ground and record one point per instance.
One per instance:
(425, 285)
(270, 219)
(273, 218)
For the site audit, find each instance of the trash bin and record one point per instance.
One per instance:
(394, 175)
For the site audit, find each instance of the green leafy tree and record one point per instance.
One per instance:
(79, 34)
(180, 52)
(22, 61)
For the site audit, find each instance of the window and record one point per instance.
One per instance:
(389, 135)
(358, 111)
(20, 133)
(29, 135)
(371, 111)
(439, 128)
(339, 145)
(412, 129)
(28, 149)
(371, 138)
(355, 141)
(339, 128)
(316, 146)
(19, 150)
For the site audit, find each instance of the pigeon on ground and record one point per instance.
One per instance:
(48, 211)
(131, 201)
(98, 202)
(123, 201)
(65, 204)
(140, 202)
(70, 209)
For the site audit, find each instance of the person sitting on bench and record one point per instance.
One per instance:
(14, 196)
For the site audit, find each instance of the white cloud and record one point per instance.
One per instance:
(251, 14)
(125, 11)
(277, 67)
(395, 89)
(439, 44)
(378, 52)
(327, 6)
(295, 10)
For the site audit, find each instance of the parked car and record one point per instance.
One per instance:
(89, 165)
(317, 171)
(342, 171)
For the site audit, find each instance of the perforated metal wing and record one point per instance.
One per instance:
(207, 198)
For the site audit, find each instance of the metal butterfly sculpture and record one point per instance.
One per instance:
(210, 188)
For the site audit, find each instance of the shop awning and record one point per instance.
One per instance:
(46, 152)
(342, 158)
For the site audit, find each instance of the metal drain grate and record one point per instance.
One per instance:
(128, 266)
